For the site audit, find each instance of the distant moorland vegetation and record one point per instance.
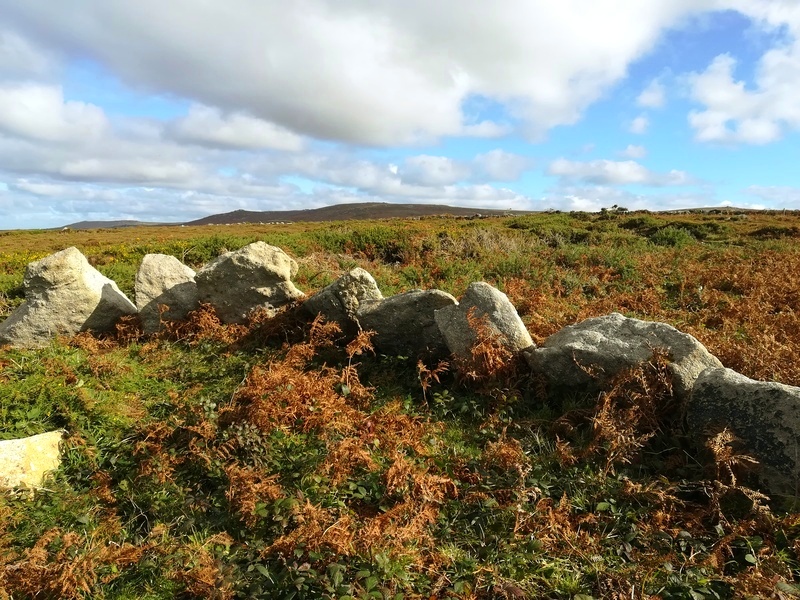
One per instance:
(269, 460)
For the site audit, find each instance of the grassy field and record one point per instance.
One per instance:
(273, 461)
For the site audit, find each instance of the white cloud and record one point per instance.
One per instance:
(639, 125)
(19, 57)
(433, 170)
(593, 198)
(485, 129)
(499, 165)
(40, 188)
(633, 151)
(366, 72)
(207, 126)
(653, 96)
(609, 172)
(764, 109)
(129, 170)
(39, 112)
(736, 113)
(770, 14)
(778, 196)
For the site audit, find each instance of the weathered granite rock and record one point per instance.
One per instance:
(256, 276)
(64, 295)
(340, 301)
(764, 415)
(164, 280)
(613, 343)
(488, 303)
(404, 324)
(25, 462)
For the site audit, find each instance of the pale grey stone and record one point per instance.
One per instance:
(339, 302)
(765, 416)
(405, 323)
(256, 276)
(612, 343)
(163, 280)
(25, 462)
(494, 308)
(64, 295)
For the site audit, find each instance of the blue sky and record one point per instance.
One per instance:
(171, 111)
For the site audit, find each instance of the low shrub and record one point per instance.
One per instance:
(675, 237)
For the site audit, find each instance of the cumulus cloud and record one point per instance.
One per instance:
(771, 14)
(129, 170)
(39, 112)
(633, 151)
(207, 126)
(611, 172)
(593, 198)
(499, 165)
(372, 73)
(734, 113)
(639, 125)
(779, 196)
(433, 170)
(20, 58)
(758, 112)
(419, 179)
(40, 188)
(653, 96)
(590, 198)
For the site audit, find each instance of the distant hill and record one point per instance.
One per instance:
(107, 224)
(337, 212)
(348, 212)
(357, 211)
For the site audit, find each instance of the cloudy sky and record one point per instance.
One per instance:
(169, 110)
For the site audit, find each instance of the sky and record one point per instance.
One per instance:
(171, 110)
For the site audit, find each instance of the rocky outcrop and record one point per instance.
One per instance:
(489, 305)
(765, 416)
(64, 295)
(339, 302)
(256, 276)
(404, 324)
(163, 280)
(25, 462)
(605, 346)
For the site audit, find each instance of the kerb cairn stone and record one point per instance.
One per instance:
(163, 280)
(64, 295)
(491, 306)
(256, 276)
(607, 345)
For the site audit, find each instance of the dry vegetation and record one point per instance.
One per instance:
(277, 460)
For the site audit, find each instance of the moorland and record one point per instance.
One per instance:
(271, 460)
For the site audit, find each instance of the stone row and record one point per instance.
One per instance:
(64, 295)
